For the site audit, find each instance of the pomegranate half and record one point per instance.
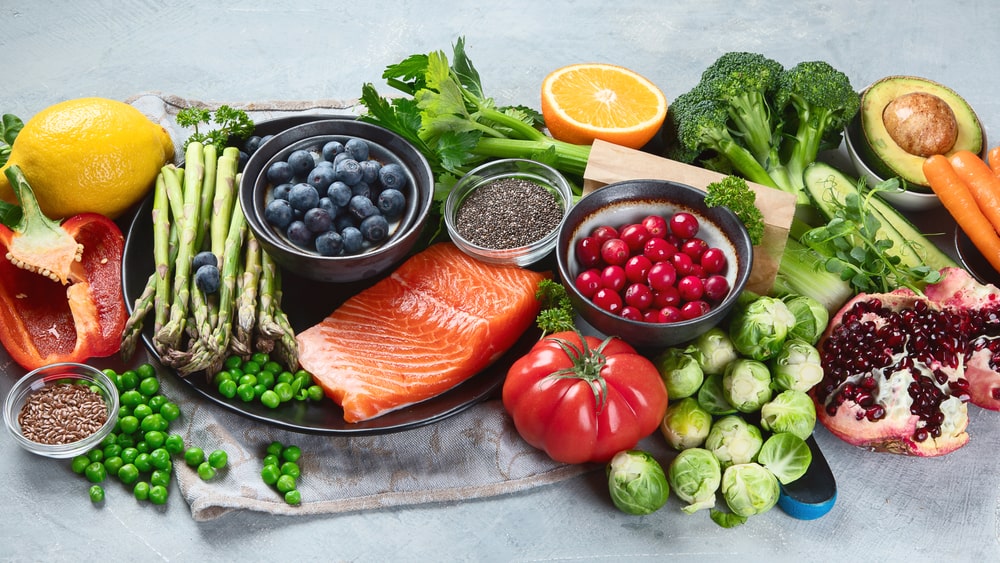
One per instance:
(900, 368)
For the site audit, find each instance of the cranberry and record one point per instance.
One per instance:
(655, 225)
(694, 309)
(653, 316)
(613, 278)
(691, 288)
(631, 313)
(694, 247)
(684, 224)
(661, 276)
(671, 314)
(667, 297)
(614, 251)
(637, 268)
(588, 282)
(716, 288)
(713, 261)
(588, 252)
(639, 296)
(604, 232)
(682, 263)
(608, 299)
(658, 249)
(634, 235)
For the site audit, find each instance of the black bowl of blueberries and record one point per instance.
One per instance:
(337, 200)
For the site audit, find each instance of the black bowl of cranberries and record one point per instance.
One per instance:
(649, 262)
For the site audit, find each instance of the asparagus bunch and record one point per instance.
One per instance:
(196, 209)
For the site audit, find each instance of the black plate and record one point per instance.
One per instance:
(973, 260)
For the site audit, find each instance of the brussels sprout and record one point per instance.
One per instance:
(759, 328)
(790, 411)
(695, 476)
(786, 456)
(749, 489)
(681, 373)
(747, 384)
(797, 366)
(686, 424)
(636, 482)
(733, 440)
(811, 317)
(713, 350)
(712, 398)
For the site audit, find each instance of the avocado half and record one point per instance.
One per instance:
(881, 151)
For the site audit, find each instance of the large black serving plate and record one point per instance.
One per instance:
(307, 302)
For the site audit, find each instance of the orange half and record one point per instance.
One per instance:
(584, 102)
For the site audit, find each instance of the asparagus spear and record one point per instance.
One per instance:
(246, 304)
(224, 198)
(287, 346)
(211, 159)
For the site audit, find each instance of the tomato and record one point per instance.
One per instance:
(584, 400)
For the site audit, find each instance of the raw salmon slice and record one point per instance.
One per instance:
(439, 319)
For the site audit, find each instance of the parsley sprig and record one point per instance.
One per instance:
(557, 311)
(230, 122)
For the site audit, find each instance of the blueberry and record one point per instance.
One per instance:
(330, 243)
(357, 149)
(299, 233)
(281, 191)
(369, 171)
(353, 240)
(324, 163)
(251, 144)
(348, 171)
(279, 172)
(391, 202)
(337, 159)
(204, 258)
(343, 221)
(361, 207)
(375, 228)
(332, 149)
(339, 193)
(392, 175)
(241, 161)
(302, 162)
(303, 197)
(206, 278)
(318, 220)
(362, 188)
(279, 213)
(329, 206)
(321, 177)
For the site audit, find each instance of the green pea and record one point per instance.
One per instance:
(174, 443)
(266, 378)
(128, 424)
(158, 494)
(145, 371)
(149, 386)
(141, 490)
(290, 468)
(96, 455)
(245, 393)
(129, 455)
(291, 453)
(248, 379)
(236, 372)
(274, 448)
(285, 483)
(114, 377)
(126, 440)
(218, 459)
(233, 362)
(315, 393)
(270, 399)
(142, 462)
(285, 377)
(159, 458)
(284, 391)
(271, 459)
(251, 367)
(79, 464)
(112, 465)
(143, 446)
(259, 389)
(221, 376)
(142, 411)
(293, 497)
(108, 440)
(124, 411)
(260, 358)
(95, 472)
(206, 471)
(271, 366)
(153, 422)
(96, 493)
(228, 388)
(159, 477)
(128, 473)
(112, 449)
(193, 456)
(155, 438)
(270, 473)
(304, 376)
(130, 398)
(156, 402)
(170, 411)
(130, 380)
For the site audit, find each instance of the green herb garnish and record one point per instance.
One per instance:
(557, 311)
(734, 193)
(230, 123)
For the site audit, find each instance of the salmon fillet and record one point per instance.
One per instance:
(439, 319)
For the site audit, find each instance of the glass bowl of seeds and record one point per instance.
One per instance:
(508, 211)
(61, 410)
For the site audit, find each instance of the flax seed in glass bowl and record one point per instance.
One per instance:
(61, 410)
(508, 211)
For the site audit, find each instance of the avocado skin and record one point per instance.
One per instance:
(882, 154)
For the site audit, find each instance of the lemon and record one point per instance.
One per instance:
(88, 155)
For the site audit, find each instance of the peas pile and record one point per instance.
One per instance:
(139, 450)
(261, 378)
(281, 470)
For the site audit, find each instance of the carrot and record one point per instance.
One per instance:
(994, 159)
(957, 199)
(982, 183)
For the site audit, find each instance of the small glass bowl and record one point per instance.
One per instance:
(530, 170)
(51, 375)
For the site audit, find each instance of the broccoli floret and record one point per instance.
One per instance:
(820, 101)
(734, 193)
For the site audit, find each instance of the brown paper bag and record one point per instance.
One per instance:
(610, 163)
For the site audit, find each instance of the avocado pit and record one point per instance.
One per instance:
(921, 124)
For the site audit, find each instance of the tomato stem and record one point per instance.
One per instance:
(588, 364)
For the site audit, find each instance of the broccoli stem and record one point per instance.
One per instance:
(570, 159)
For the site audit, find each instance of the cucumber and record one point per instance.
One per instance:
(823, 180)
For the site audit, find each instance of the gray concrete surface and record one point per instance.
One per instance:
(889, 509)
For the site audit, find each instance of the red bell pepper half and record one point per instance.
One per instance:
(60, 285)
